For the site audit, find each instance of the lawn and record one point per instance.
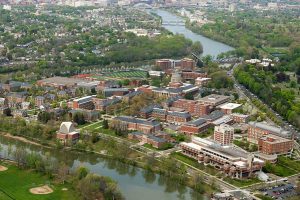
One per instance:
(128, 74)
(208, 169)
(17, 183)
(241, 182)
(284, 167)
(3, 196)
(91, 127)
(107, 131)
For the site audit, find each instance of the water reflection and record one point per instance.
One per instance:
(210, 47)
(134, 182)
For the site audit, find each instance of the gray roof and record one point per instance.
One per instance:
(150, 108)
(137, 120)
(180, 114)
(196, 122)
(133, 94)
(157, 139)
(275, 130)
(213, 115)
(115, 89)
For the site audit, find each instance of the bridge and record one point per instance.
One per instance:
(142, 5)
(173, 23)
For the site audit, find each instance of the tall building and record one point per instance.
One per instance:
(223, 134)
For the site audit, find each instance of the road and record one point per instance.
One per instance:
(244, 92)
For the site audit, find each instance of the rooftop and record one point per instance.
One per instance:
(215, 98)
(230, 106)
(137, 120)
(275, 130)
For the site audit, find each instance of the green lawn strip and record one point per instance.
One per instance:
(93, 126)
(284, 167)
(241, 182)
(208, 168)
(285, 161)
(263, 197)
(17, 183)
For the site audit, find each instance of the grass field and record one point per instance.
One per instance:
(3, 196)
(127, 74)
(241, 182)
(208, 169)
(17, 183)
(284, 167)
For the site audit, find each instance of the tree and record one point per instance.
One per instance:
(78, 118)
(81, 172)
(63, 172)
(20, 156)
(105, 124)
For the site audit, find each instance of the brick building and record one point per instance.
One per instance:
(82, 103)
(214, 99)
(223, 134)
(194, 127)
(145, 126)
(164, 64)
(240, 118)
(39, 100)
(154, 139)
(193, 107)
(16, 98)
(272, 144)
(187, 64)
(257, 130)
(67, 133)
(229, 108)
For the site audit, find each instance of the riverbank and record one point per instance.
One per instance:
(16, 183)
(8, 135)
(142, 162)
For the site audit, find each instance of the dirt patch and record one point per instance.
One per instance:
(41, 190)
(2, 168)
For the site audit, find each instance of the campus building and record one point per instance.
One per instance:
(67, 134)
(194, 127)
(143, 125)
(229, 108)
(193, 107)
(273, 144)
(214, 99)
(232, 161)
(156, 140)
(257, 130)
(223, 134)
(240, 118)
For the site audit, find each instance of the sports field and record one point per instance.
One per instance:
(17, 183)
(127, 74)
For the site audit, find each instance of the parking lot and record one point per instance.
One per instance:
(281, 191)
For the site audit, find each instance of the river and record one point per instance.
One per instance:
(210, 47)
(134, 183)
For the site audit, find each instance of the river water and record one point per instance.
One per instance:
(210, 47)
(134, 183)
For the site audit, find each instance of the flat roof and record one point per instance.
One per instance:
(230, 106)
(214, 98)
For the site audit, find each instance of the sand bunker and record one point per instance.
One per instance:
(2, 168)
(41, 190)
